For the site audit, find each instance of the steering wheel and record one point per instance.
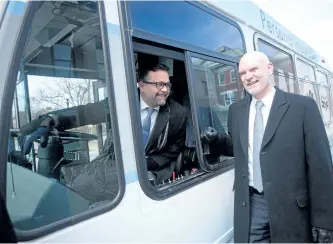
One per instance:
(72, 136)
(66, 136)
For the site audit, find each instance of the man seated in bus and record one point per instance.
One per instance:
(163, 124)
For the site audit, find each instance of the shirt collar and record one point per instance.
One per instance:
(145, 106)
(268, 99)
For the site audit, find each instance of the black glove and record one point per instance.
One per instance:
(209, 135)
(321, 235)
(50, 123)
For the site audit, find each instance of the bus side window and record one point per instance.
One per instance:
(284, 73)
(62, 75)
(307, 80)
(216, 88)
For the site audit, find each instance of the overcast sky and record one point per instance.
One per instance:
(310, 20)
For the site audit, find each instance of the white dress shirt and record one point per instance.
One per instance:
(144, 113)
(267, 101)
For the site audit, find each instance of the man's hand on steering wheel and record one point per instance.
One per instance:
(49, 123)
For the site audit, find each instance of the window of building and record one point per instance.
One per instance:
(233, 76)
(229, 97)
(227, 77)
(75, 169)
(221, 79)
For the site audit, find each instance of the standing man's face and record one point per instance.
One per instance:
(255, 71)
(153, 91)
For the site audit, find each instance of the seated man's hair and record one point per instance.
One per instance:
(157, 67)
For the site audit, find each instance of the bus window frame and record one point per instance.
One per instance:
(258, 36)
(189, 71)
(157, 51)
(128, 34)
(323, 71)
(315, 83)
(170, 190)
(330, 78)
(22, 38)
(10, 84)
(297, 57)
(271, 42)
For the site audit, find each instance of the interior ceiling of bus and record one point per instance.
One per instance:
(66, 23)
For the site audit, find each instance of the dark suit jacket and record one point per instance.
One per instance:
(167, 140)
(296, 166)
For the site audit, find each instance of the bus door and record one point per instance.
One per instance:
(55, 60)
(11, 18)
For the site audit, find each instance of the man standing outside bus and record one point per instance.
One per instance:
(283, 163)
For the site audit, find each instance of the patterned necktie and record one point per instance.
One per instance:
(146, 123)
(258, 133)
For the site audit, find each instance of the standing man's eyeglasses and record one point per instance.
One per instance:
(159, 85)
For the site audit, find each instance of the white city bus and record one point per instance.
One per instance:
(60, 54)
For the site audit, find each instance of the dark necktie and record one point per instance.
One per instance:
(146, 124)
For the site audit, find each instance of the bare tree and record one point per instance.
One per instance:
(59, 94)
(63, 94)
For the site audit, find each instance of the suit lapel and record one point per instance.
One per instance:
(278, 109)
(244, 123)
(161, 121)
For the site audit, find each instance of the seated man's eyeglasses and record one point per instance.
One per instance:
(159, 85)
